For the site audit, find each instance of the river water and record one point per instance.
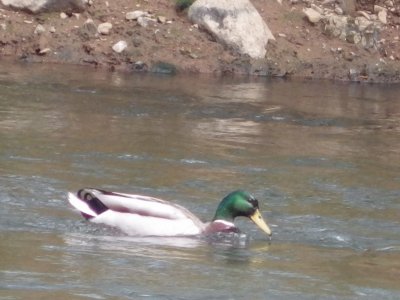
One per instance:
(323, 159)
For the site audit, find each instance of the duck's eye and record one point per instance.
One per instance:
(253, 201)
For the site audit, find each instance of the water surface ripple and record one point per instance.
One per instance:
(323, 159)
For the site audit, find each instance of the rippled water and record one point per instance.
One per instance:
(323, 159)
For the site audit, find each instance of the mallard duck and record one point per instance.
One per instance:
(147, 216)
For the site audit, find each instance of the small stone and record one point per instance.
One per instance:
(44, 51)
(382, 16)
(120, 46)
(89, 21)
(389, 3)
(312, 15)
(145, 21)
(104, 28)
(164, 68)
(338, 10)
(137, 41)
(282, 35)
(161, 19)
(362, 23)
(52, 29)
(134, 15)
(378, 8)
(364, 14)
(140, 66)
(39, 29)
(63, 15)
(353, 74)
(88, 30)
(317, 8)
(3, 26)
(353, 37)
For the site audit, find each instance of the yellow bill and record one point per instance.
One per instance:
(259, 220)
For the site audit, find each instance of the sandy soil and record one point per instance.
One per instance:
(175, 45)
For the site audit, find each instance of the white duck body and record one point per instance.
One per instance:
(138, 215)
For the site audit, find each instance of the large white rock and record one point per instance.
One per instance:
(37, 6)
(236, 24)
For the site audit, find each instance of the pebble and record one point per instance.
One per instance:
(145, 21)
(44, 51)
(312, 15)
(378, 8)
(382, 16)
(338, 10)
(89, 28)
(39, 29)
(353, 74)
(134, 15)
(104, 28)
(140, 66)
(120, 46)
(364, 14)
(63, 15)
(161, 19)
(317, 8)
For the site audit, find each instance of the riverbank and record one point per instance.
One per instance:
(172, 44)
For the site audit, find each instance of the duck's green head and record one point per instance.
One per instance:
(241, 204)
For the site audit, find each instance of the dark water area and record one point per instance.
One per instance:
(323, 159)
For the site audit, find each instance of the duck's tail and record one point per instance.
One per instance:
(87, 203)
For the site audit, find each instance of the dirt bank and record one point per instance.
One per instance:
(173, 44)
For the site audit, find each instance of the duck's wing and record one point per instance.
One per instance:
(93, 202)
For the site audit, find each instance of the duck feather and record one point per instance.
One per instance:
(136, 214)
